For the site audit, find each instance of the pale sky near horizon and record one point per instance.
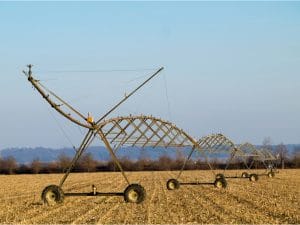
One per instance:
(230, 67)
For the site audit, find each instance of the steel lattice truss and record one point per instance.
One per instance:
(257, 154)
(261, 155)
(250, 150)
(217, 143)
(144, 131)
(267, 155)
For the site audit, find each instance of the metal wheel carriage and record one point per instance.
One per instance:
(208, 146)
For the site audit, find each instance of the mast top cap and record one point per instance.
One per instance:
(29, 67)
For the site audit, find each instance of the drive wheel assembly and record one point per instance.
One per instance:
(245, 174)
(52, 195)
(220, 183)
(134, 193)
(173, 184)
(271, 174)
(253, 177)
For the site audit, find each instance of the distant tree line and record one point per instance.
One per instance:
(88, 164)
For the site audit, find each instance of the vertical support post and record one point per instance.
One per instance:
(114, 157)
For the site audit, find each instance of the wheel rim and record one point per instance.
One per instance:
(133, 196)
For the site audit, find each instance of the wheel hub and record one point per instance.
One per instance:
(51, 196)
(172, 185)
(133, 195)
(219, 184)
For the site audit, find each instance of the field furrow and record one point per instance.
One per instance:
(269, 200)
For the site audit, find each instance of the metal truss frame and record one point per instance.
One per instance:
(262, 155)
(218, 144)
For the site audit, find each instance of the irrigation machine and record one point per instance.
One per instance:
(263, 156)
(140, 131)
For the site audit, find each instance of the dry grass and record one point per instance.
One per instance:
(270, 200)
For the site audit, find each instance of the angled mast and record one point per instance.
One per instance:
(88, 123)
(42, 90)
(128, 96)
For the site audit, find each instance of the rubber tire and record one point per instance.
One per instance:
(220, 175)
(220, 183)
(271, 174)
(253, 177)
(173, 184)
(245, 175)
(52, 195)
(134, 193)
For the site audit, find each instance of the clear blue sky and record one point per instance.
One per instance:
(229, 67)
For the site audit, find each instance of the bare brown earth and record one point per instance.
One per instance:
(270, 200)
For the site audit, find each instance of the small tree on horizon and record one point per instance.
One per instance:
(281, 151)
(63, 162)
(87, 163)
(296, 157)
(36, 165)
(267, 143)
(9, 165)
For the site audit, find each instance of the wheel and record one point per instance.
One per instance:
(271, 174)
(245, 174)
(52, 195)
(173, 184)
(253, 177)
(220, 183)
(134, 193)
(220, 175)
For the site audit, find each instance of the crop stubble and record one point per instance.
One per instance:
(270, 200)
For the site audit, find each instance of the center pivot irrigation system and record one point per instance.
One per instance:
(142, 131)
(259, 155)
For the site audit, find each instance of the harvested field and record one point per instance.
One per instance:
(270, 200)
